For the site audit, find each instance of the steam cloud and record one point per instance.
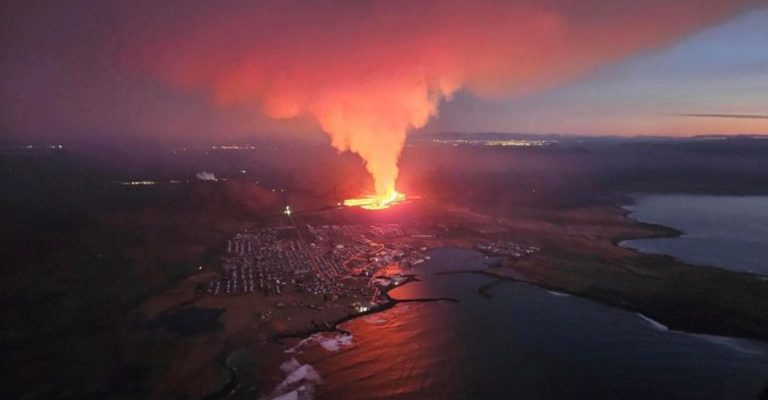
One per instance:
(206, 176)
(370, 71)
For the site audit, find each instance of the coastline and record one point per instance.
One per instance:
(574, 260)
(389, 303)
(690, 309)
(658, 231)
(231, 385)
(668, 232)
(484, 290)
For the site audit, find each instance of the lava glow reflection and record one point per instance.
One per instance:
(376, 202)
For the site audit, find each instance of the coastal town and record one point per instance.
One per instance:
(314, 264)
(501, 248)
(331, 262)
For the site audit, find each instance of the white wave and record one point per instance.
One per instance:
(299, 383)
(297, 348)
(740, 345)
(327, 342)
(301, 376)
(558, 294)
(655, 324)
(336, 343)
(290, 366)
(303, 392)
(300, 379)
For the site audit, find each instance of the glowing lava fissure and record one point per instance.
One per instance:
(376, 202)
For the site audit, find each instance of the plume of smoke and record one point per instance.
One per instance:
(370, 71)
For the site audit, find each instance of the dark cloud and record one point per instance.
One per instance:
(738, 116)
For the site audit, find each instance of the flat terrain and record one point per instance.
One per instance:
(578, 254)
(101, 290)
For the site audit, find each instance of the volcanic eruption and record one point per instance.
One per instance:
(368, 72)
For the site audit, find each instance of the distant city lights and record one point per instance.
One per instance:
(138, 183)
(234, 147)
(501, 143)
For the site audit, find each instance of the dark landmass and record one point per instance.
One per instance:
(583, 258)
(88, 260)
(187, 321)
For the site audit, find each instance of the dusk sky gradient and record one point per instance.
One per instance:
(721, 70)
(79, 70)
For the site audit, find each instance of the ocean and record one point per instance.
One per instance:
(723, 231)
(523, 343)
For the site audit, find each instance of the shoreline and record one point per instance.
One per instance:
(483, 290)
(668, 232)
(676, 312)
(662, 231)
(333, 326)
(676, 319)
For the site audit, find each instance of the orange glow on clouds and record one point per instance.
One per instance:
(368, 72)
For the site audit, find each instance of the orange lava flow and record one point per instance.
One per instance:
(376, 202)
